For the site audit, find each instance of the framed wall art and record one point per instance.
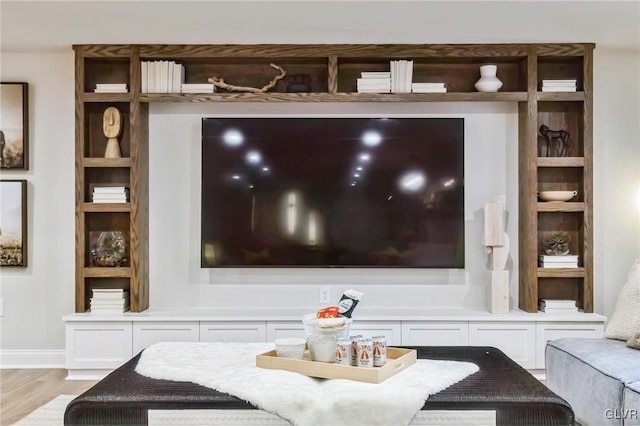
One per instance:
(14, 126)
(13, 223)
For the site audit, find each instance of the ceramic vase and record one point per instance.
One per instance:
(488, 81)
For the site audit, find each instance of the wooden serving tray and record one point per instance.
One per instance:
(397, 360)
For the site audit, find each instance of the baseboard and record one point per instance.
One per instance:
(17, 358)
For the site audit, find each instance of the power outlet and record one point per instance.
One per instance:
(325, 294)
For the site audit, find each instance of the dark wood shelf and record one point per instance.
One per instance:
(107, 207)
(333, 70)
(336, 97)
(106, 162)
(106, 97)
(560, 206)
(560, 161)
(105, 272)
(560, 96)
(561, 272)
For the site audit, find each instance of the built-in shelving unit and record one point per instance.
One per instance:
(333, 70)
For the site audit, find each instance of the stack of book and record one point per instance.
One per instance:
(557, 306)
(401, 76)
(111, 88)
(566, 261)
(374, 82)
(558, 85)
(197, 88)
(162, 76)
(428, 88)
(109, 301)
(110, 194)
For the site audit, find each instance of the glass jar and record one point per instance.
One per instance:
(111, 249)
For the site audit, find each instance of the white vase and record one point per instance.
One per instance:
(488, 81)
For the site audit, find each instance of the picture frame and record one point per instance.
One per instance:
(13, 223)
(14, 126)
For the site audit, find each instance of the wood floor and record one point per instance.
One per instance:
(22, 391)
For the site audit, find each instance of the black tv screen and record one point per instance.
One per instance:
(332, 192)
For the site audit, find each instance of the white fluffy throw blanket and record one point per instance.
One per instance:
(302, 400)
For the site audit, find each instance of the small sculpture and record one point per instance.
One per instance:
(219, 82)
(557, 244)
(111, 127)
(561, 136)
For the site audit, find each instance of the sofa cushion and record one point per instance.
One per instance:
(625, 321)
(610, 357)
(634, 342)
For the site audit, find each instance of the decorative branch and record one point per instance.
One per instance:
(219, 82)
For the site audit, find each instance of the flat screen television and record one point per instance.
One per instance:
(332, 192)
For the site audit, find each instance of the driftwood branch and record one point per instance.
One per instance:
(219, 82)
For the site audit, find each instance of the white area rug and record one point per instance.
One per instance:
(51, 414)
(301, 400)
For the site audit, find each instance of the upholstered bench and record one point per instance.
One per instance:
(600, 378)
(501, 385)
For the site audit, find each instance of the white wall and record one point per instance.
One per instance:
(37, 297)
(174, 199)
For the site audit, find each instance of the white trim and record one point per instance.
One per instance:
(29, 358)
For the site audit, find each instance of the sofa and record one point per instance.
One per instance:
(600, 378)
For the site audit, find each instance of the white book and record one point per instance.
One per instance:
(558, 302)
(178, 75)
(170, 79)
(563, 258)
(558, 265)
(409, 75)
(430, 90)
(420, 85)
(143, 76)
(376, 74)
(110, 189)
(374, 90)
(559, 81)
(370, 81)
(558, 89)
(110, 201)
(197, 86)
(110, 91)
(111, 85)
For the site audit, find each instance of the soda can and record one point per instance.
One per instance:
(343, 352)
(354, 349)
(379, 350)
(365, 353)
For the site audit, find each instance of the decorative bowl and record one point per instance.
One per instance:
(290, 347)
(557, 195)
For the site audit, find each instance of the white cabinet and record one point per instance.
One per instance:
(441, 333)
(233, 331)
(516, 339)
(146, 334)
(280, 329)
(97, 347)
(392, 330)
(98, 344)
(546, 331)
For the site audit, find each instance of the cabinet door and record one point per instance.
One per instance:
(551, 331)
(146, 333)
(277, 330)
(392, 330)
(516, 339)
(98, 345)
(445, 333)
(224, 331)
